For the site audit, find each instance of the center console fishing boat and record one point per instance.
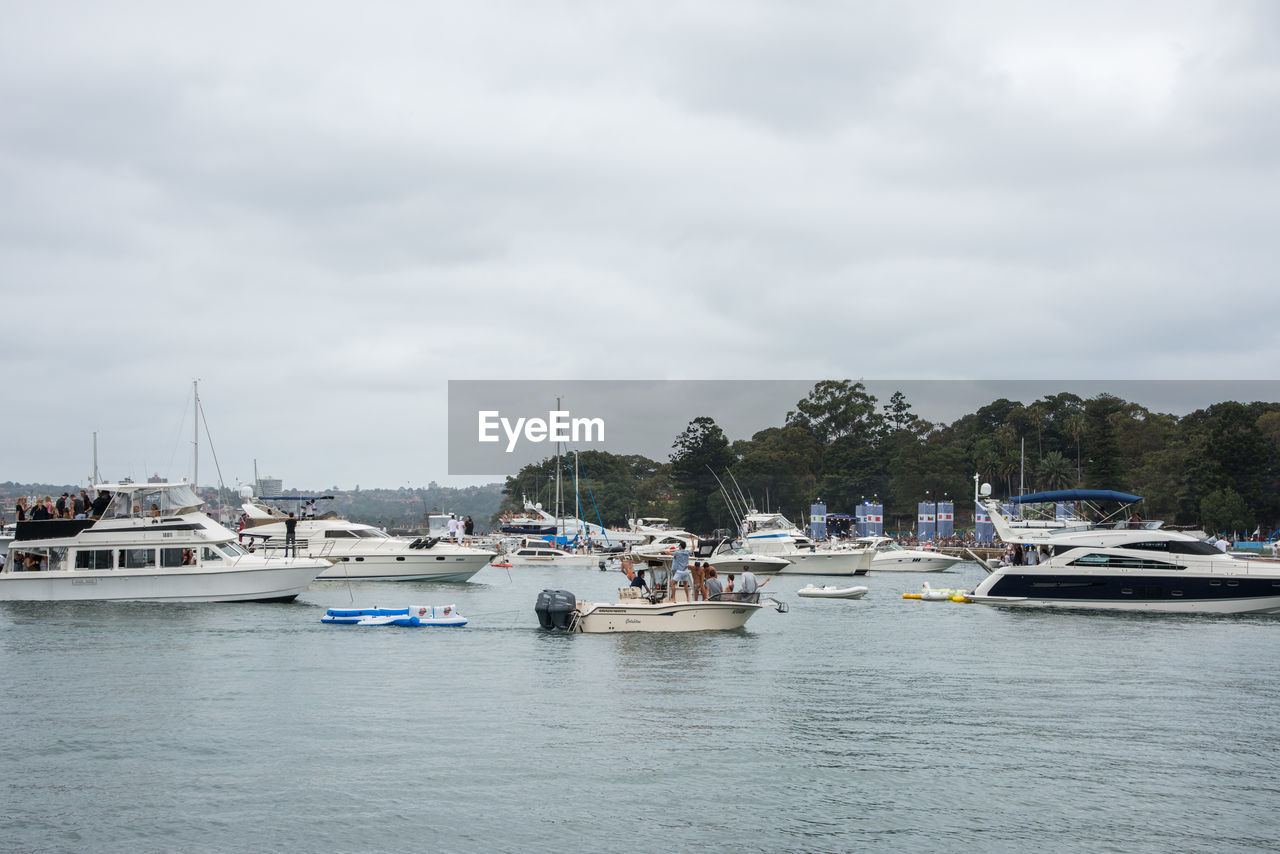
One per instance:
(633, 612)
(150, 543)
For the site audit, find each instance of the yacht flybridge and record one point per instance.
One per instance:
(1127, 565)
(151, 543)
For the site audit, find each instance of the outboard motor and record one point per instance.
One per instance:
(555, 609)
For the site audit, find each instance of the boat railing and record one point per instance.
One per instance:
(730, 596)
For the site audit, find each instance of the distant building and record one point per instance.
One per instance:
(155, 478)
(270, 486)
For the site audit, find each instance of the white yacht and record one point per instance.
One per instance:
(892, 557)
(363, 552)
(1127, 566)
(537, 522)
(773, 534)
(151, 543)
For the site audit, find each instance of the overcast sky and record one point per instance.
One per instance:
(325, 211)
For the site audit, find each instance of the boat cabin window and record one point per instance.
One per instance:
(1177, 547)
(168, 500)
(177, 557)
(339, 535)
(231, 549)
(210, 555)
(1105, 561)
(93, 559)
(136, 558)
(371, 534)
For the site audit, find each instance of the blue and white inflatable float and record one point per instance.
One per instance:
(414, 615)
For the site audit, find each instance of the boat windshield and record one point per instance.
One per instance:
(165, 500)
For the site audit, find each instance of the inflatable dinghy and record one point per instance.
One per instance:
(829, 592)
(414, 615)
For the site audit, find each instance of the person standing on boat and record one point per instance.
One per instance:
(699, 570)
(680, 573)
(713, 587)
(453, 528)
(747, 584)
(291, 535)
(468, 527)
(101, 503)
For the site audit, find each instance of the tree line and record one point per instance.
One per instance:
(1217, 468)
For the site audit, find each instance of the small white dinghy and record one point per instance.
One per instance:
(414, 615)
(827, 591)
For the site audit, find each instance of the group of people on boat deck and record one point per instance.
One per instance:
(700, 580)
(460, 530)
(65, 507)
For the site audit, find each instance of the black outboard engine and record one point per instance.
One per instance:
(555, 609)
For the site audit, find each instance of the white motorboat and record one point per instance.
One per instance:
(535, 552)
(826, 591)
(151, 543)
(727, 556)
(774, 535)
(632, 612)
(363, 552)
(1126, 566)
(892, 557)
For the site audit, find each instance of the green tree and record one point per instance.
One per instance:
(1054, 471)
(1224, 511)
(698, 455)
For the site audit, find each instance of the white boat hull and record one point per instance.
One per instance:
(600, 617)
(1258, 605)
(913, 562)
(417, 566)
(580, 561)
(845, 563)
(276, 581)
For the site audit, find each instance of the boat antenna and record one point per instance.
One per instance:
(737, 487)
(728, 499)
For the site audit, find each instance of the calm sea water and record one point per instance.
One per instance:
(880, 724)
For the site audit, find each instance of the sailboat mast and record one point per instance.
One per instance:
(195, 473)
(97, 478)
(559, 502)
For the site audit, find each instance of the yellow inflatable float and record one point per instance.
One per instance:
(937, 594)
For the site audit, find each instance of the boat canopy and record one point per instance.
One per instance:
(1075, 495)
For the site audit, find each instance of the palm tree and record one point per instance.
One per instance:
(1053, 471)
(1075, 426)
